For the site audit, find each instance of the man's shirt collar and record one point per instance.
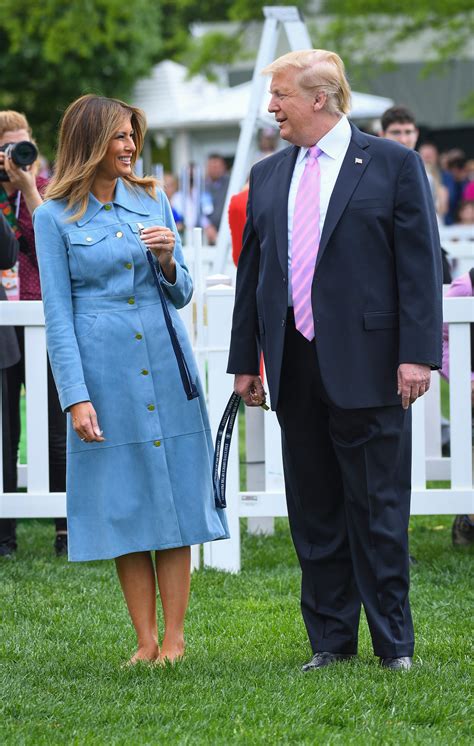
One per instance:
(334, 142)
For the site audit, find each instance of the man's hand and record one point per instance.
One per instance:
(250, 389)
(413, 381)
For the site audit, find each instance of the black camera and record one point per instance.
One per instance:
(22, 153)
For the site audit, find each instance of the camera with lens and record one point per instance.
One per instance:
(22, 153)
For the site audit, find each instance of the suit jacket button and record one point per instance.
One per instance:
(283, 322)
(284, 280)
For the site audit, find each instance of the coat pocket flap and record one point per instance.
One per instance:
(87, 238)
(380, 320)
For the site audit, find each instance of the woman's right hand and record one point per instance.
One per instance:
(84, 422)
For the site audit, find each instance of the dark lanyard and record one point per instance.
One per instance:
(227, 423)
(188, 384)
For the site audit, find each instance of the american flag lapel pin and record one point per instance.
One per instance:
(358, 160)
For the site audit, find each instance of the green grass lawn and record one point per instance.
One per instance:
(64, 633)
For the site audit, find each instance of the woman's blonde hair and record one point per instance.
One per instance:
(87, 127)
(318, 69)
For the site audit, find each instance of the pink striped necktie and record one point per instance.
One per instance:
(305, 242)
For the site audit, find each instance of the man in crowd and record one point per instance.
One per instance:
(339, 283)
(216, 184)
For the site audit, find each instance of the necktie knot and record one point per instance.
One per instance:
(314, 152)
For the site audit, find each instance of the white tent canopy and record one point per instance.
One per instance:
(171, 101)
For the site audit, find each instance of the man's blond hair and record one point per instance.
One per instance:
(319, 69)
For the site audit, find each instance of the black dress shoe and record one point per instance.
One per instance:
(404, 663)
(321, 660)
(60, 545)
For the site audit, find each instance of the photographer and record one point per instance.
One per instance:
(20, 194)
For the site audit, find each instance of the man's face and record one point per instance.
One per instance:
(14, 136)
(403, 132)
(293, 108)
(216, 168)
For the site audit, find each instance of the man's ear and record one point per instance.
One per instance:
(319, 100)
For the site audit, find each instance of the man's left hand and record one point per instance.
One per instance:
(413, 381)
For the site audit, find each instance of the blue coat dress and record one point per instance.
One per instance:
(149, 484)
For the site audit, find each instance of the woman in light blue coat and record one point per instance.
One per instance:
(139, 453)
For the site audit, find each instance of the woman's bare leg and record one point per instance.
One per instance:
(173, 570)
(137, 578)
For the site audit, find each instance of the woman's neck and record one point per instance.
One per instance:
(104, 189)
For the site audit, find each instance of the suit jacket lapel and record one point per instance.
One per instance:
(349, 176)
(283, 174)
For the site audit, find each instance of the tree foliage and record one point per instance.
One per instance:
(53, 52)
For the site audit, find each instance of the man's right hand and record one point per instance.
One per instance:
(250, 388)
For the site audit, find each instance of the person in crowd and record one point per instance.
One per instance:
(237, 218)
(462, 287)
(170, 188)
(19, 196)
(457, 170)
(440, 177)
(399, 124)
(139, 452)
(339, 282)
(267, 142)
(215, 185)
(466, 212)
(9, 355)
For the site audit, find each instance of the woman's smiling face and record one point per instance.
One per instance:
(118, 158)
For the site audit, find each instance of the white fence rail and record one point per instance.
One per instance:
(264, 498)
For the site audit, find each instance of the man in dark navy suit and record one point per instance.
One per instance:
(339, 283)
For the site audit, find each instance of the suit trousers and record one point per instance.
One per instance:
(56, 440)
(347, 478)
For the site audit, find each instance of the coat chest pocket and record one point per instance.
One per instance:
(92, 250)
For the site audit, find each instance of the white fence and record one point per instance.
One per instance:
(264, 497)
(458, 241)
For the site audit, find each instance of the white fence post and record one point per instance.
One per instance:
(224, 555)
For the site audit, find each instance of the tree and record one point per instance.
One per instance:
(53, 52)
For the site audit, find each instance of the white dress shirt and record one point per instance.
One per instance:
(334, 146)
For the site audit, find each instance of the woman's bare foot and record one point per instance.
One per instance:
(171, 650)
(145, 653)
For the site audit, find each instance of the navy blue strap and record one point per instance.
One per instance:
(188, 384)
(227, 423)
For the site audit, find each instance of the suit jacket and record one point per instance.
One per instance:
(377, 288)
(9, 351)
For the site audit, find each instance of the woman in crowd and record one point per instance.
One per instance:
(20, 194)
(139, 452)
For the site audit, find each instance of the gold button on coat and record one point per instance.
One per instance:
(151, 407)
(138, 336)
(131, 301)
(107, 207)
(128, 265)
(144, 372)
(157, 443)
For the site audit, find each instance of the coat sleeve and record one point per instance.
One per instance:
(61, 339)
(418, 266)
(8, 245)
(181, 290)
(244, 355)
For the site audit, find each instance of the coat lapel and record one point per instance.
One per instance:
(283, 174)
(353, 166)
